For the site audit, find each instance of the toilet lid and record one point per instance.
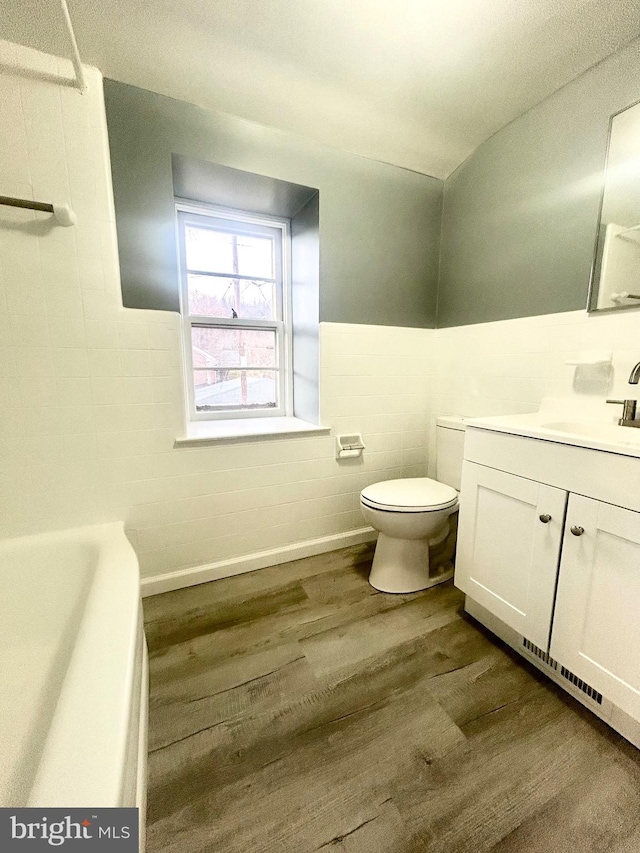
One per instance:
(414, 494)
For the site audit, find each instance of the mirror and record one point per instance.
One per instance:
(615, 278)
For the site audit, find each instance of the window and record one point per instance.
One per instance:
(234, 272)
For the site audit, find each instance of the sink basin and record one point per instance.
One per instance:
(552, 423)
(599, 431)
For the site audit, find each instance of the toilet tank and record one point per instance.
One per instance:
(449, 450)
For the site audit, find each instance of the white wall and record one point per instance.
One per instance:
(90, 393)
(508, 366)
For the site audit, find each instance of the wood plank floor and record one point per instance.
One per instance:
(297, 709)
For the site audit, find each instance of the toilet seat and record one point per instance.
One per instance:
(414, 494)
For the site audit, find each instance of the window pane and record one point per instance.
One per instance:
(224, 252)
(220, 297)
(208, 250)
(255, 256)
(220, 390)
(229, 348)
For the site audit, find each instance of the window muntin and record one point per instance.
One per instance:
(218, 297)
(234, 298)
(229, 252)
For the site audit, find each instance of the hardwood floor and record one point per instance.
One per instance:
(297, 709)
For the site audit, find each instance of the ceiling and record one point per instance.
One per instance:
(417, 83)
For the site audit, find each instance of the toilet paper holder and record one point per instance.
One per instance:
(349, 446)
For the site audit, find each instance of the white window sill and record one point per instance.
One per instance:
(208, 432)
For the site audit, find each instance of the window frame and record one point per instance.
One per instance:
(188, 211)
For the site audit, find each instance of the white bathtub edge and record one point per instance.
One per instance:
(143, 747)
(113, 605)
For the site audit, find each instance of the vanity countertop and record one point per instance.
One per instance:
(557, 425)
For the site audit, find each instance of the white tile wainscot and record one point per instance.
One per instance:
(91, 393)
(508, 366)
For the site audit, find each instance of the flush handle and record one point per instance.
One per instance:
(577, 531)
(545, 518)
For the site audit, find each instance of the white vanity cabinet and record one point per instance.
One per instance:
(596, 626)
(549, 559)
(509, 538)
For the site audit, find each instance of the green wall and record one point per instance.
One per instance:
(520, 215)
(379, 224)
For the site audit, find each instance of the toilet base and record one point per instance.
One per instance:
(402, 565)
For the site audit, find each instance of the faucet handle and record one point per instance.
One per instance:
(628, 412)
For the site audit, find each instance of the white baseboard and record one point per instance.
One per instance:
(260, 560)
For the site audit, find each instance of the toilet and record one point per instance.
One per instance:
(411, 515)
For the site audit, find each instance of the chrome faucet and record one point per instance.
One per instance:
(630, 407)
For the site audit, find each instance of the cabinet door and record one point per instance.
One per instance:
(509, 536)
(596, 625)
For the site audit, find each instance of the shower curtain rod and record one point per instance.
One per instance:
(75, 53)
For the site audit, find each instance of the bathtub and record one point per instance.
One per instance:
(74, 674)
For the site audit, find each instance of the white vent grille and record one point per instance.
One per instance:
(546, 659)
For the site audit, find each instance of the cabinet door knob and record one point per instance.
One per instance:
(545, 518)
(577, 531)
